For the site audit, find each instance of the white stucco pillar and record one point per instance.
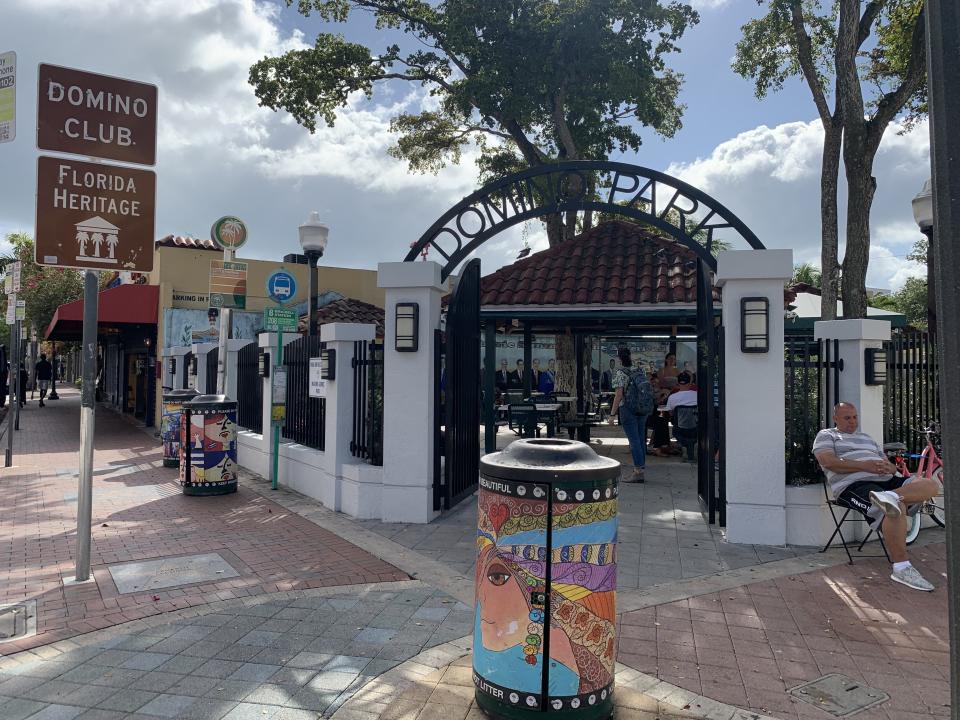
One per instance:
(754, 399)
(408, 394)
(854, 337)
(199, 381)
(351, 495)
(233, 365)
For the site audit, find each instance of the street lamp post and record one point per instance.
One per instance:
(313, 240)
(923, 214)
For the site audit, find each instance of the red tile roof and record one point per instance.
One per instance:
(187, 242)
(348, 310)
(616, 263)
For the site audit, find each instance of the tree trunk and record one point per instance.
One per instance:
(861, 186)
(829, 263)
(566, 379)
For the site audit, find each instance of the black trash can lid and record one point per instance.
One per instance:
(180, 394)
(211, 403)
(548, 459)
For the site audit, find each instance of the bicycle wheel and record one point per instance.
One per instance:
(939, 517)
(913, 527)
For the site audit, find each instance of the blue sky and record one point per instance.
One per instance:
(219, 153)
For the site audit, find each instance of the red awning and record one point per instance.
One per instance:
(122, 305)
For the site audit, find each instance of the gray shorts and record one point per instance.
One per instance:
(43, 385)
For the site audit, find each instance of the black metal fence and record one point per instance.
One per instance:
(367, 439)
(210, 377)
(911, 398)
(249, 389)
(811, 376)
(187, 365)
(306, 416)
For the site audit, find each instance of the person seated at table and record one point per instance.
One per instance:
(682, 405)
(548, 378)
(669, 372)
(502, 381)
(658, 422)
(860, 476)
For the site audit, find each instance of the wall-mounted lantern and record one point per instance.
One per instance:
(263, 362)
(875, 362)
(754, 325)
(328, 364)
(407, 327)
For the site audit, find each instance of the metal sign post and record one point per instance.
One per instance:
(15, 371)
(91, 215)
(87, 397)
(281, 286)
(230, 233)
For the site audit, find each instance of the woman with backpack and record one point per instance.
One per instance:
(634, 401)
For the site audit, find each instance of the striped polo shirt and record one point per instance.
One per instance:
(848, 446)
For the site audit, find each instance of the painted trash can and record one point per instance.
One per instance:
(170, 424)
(208, 446)
(546, 581)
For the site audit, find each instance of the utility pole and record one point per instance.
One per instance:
(943, 73)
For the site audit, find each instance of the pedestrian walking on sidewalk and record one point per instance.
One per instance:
(633, 402)
(44, 374)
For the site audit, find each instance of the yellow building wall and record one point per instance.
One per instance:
(183, 276)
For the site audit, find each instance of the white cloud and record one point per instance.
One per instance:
(770, 177)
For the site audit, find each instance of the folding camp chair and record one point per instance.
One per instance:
(836, 505)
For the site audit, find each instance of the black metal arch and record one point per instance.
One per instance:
(681, 211)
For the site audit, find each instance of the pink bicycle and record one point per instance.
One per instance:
(930, 466)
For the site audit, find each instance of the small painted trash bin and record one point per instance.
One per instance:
(208, 446)
(546, 581)
(170, 424)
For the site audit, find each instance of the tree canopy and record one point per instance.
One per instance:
(43, 288)
(868, 58)
(531, 81)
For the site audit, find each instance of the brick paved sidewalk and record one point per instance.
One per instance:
(749, 645)
(139, 514)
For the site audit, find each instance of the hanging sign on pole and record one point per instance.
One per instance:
(11, 309)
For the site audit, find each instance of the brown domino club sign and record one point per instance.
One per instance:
(84, 113)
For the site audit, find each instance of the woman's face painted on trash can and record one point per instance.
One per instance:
(504, 609)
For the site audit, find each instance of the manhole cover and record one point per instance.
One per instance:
(839, 695)
(171, 572)
(18, 620)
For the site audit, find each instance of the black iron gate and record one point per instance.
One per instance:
(306, 416)
(911, 397)
(458, 383)
(710, 381)
(187, 366)
(367, 439)
(811, 378)
(249, 389)
(210, 377)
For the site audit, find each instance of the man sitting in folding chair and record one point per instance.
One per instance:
(861, 477)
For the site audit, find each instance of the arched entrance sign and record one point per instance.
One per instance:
(690, 216)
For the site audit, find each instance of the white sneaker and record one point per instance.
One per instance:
(888, 501)
(911, 578)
